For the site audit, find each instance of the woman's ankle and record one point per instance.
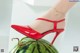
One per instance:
(54, 15)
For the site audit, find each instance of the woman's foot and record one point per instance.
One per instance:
(42, 26)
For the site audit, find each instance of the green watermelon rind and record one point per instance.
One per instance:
(36, 46)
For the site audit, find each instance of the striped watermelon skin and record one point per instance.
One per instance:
(28, 45)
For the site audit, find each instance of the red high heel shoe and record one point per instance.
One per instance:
(29, 32)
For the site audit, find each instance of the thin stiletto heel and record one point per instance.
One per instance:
(55, 37)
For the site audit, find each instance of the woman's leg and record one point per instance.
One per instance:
(55, 13)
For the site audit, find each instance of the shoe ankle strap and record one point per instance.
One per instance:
(50, 20)
(54, 22)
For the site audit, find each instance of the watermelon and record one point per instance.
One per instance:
(28, 45)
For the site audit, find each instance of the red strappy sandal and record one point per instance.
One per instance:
(29, 32)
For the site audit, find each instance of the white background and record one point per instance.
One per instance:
(5, 20)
